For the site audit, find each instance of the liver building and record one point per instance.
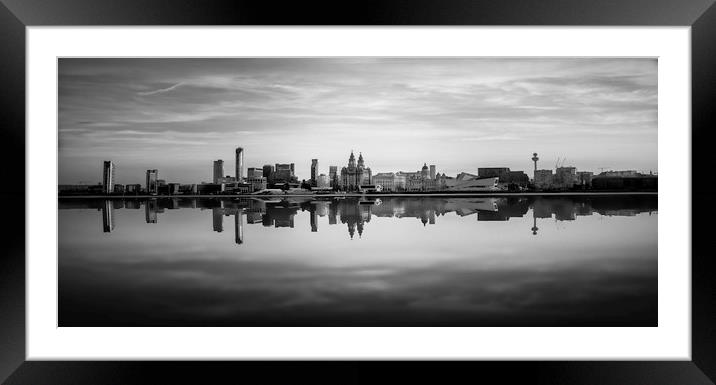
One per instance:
(355, 175)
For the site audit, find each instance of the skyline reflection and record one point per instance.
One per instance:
(397, 261)
(356, 213)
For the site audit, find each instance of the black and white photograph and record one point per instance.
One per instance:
(358, 191)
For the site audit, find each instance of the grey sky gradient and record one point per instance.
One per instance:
(178, 115)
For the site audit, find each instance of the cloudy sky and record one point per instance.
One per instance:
(178, 115)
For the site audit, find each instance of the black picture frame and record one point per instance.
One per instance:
(16, 15)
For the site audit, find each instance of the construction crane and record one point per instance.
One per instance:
(560, 163)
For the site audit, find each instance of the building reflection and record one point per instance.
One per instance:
(108, 216)
(356, 213)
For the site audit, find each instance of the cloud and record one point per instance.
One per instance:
(160, 91)
(303, 108)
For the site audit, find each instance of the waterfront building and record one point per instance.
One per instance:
(543, 179)
(268, 171)
(505, 175)
(314, 172)
(638, 182)
(152, 181)
(322, 181)
(133, 188)
(210, 188)
(422, 180)
(355, 174)
(432, 171)
(390, 182)
(254, 172)
(584, 178)
(619, 174)
(469, 182)
(70, 189)
(173, 188)
(226, 180)
(218, 170)
(564, 178)
(239, 164)
(284, 173)
(108, 177)
(257, 183)
(333, 176)
(424, 173)
(500, 172)
(118, 188)
(519, 178)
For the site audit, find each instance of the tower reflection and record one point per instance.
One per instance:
(356, 213)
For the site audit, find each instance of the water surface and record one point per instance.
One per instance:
(392, 261)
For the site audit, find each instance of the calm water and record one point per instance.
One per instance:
(413, 261)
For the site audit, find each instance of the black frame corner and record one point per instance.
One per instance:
(16, 15)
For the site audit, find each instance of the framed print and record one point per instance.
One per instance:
(228, 182)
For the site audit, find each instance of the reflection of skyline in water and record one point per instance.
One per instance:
(408, 261)
(356, 213)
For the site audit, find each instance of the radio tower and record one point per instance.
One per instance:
(535, 158)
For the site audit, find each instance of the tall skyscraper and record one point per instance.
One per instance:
(218, 170)
(432, 171)
(268, 173)
(108, 177)
(152, 181)
(239, 164)
(314, 172)
(333, 176)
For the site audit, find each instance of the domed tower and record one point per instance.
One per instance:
(361, 163)
(424, 171)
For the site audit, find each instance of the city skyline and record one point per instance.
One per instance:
(180, 115)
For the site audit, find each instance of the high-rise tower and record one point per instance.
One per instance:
(535, 158)
(432, 171)
(152, 181)
(314, 172)
(239, 164)
(218, 170)
(108, 177)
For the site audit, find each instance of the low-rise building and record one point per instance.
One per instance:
(584, 178)
(257, 183)
(543, 179)
(390, 182)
